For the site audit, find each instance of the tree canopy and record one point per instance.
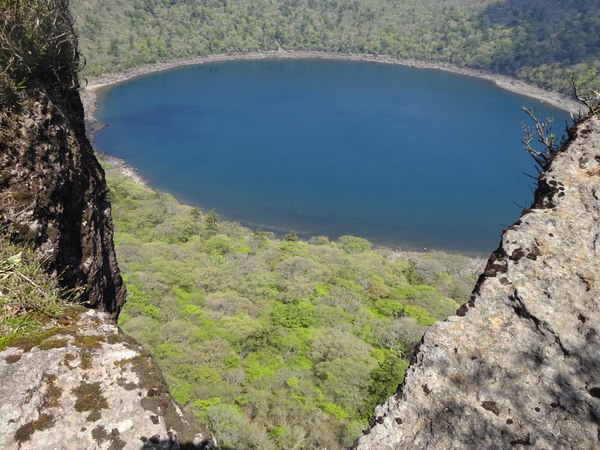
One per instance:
(275, 343)
(543, 42)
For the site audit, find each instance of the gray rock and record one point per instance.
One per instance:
(520, 365)
(85, 385)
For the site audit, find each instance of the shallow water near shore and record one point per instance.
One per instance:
(404, 157)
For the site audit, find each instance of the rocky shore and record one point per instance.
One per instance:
(88, 93)
(511, 84)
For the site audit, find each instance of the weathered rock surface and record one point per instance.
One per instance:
(520, 365)
(85, 385)
(52, 195)
(52, 189)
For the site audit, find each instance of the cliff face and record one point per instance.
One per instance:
(520, 364)
(53, 196)
(52, 189)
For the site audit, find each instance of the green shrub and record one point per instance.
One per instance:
(353, 244)
(296, 314)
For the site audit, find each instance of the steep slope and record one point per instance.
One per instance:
(52, 189)
(519, 365)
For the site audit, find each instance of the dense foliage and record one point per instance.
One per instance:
(274, 343)
(540, 41)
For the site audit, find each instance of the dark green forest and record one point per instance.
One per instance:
(543, 42)
(274, 343)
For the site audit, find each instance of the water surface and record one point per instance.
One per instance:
(401, 156)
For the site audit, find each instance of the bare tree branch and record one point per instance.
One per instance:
(542, 133)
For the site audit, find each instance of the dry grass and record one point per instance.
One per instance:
(28, 296)
(37, 45)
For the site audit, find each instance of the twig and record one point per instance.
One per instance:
(542, 132)
(31, 282)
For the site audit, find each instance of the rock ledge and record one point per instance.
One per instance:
(85, 385)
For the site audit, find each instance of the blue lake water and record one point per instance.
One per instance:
(400, 156)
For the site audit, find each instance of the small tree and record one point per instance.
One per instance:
(212, 222)
(353, 244)
(291, 236)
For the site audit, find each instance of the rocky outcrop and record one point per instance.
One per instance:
(84, 385)
(519, 366)
(52, 189)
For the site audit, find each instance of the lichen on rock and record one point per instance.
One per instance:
(71, 394)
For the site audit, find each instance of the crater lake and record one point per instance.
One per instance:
(405, 157)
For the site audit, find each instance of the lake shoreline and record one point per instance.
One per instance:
(93, 125)
(511, 84)
(393, 253)
(88, 92)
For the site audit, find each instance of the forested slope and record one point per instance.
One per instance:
(540, 41)
(274, 343)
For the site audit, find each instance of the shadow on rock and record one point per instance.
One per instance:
(155, 443)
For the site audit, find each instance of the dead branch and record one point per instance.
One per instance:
(542, 133)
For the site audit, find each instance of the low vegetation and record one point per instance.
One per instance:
(29, 298)
(275, 343)
(37, 45)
